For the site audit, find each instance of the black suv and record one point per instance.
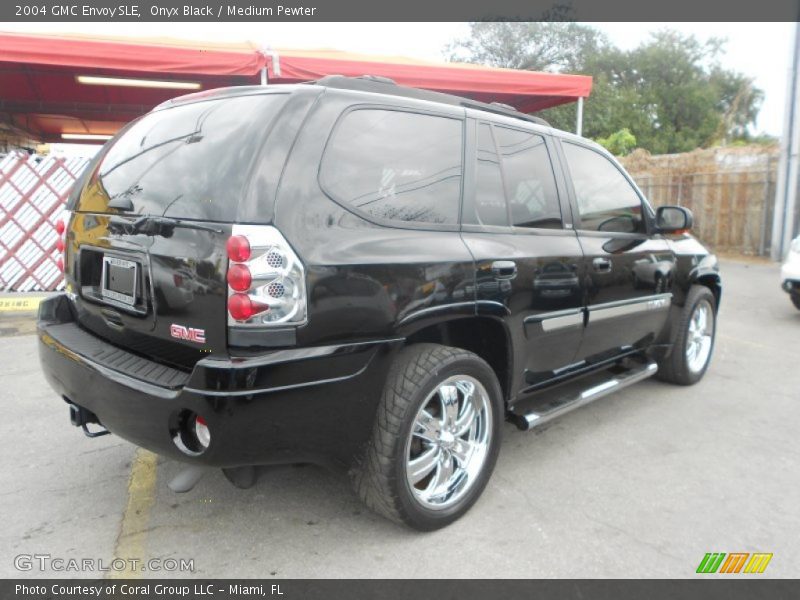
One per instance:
(365, 276)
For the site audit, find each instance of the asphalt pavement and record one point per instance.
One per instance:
(642, 483)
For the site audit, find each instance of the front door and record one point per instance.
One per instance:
(626, 270)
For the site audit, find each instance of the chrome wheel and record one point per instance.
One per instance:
(700, 336)
(449, 442)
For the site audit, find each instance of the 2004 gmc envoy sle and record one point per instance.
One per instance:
(365, 276)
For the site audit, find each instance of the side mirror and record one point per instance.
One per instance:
(673, 219)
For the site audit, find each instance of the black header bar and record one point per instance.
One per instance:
(405, 10)
(701, 588)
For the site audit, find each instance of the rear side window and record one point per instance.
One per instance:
(530, 182)
(189, 162)
(606, 200)
(397, 166)
(490, 199)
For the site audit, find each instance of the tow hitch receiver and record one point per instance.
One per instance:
(80, 417)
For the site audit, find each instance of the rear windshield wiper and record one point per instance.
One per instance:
(150, 225)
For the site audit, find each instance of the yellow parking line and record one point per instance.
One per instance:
(27, 304)
(135, 521)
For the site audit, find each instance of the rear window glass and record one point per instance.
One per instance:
(490, 199)
(187, 162)
(395, 165)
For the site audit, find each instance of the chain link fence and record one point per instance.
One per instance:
(732, 200)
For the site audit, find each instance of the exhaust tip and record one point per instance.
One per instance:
(191, 434)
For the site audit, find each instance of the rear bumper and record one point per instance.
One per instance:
(296, 405)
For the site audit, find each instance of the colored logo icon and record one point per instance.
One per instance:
(735, 562)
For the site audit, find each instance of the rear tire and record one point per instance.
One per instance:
(694, 343)
(436, 437)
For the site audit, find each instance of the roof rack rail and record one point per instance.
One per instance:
(355, 83)
(384, 85)
(507, 110)
(503, 105)
(378, 78)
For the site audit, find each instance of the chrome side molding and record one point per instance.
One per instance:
(558, 319)
(573, 317)
(610, 310)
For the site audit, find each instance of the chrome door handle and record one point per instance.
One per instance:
(601, 265)
(504, 269)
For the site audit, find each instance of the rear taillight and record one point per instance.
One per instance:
(239, 277)
(238, 248)
(243, 308)
(61, 243)
(266, 280)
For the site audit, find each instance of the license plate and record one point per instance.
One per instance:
(120, 280)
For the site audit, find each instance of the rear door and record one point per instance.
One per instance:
(146, 259)
(626, 270)
(526, 257)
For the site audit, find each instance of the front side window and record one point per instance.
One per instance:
(395, 165)
(530, 182)
(606, 200)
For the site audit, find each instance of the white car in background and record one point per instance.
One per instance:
(790, 272)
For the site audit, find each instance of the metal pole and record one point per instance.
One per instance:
(786, 185)
(579, 119)
(790, 209)
(762, 237)
(264, 75)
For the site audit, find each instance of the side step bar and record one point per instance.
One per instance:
(565, 403)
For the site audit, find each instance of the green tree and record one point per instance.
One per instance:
(540, 46)
(670, 79)
(739, 102)
(619, 143)
(552, 46)
(670, 92)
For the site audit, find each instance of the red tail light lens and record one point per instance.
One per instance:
(238, 248)
(242, 307)
(61, 244)
(239, 277)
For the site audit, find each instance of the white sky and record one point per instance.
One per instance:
(759, 50)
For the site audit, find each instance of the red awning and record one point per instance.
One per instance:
(40, 91)
(151, 55)
(527, 91)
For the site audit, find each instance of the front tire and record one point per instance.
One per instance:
(694, 342)
(436, 437)
(795, 300)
